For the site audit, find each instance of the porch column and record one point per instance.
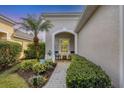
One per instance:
(53, 50)
(75, 39)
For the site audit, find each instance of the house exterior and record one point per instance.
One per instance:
(61, 38)
(98, 38)
(96, 34)
(9, 33)
(6, 28)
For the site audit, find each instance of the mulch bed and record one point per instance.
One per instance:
(27, 74)
(4, 68)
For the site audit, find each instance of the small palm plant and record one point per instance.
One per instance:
(36, 24)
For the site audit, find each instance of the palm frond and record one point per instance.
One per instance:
(45, 26)
(35, 24)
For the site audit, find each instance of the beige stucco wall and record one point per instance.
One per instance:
(24, 44)
(99, 40)
(8, 30)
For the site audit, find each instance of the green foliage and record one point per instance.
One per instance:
(35, 66)
(9, 53)
(49, 64)
(30, 52)
(37, 81)
(33, 23)
(27, 65)
(39, 68)
(84, 74)
(13, 48)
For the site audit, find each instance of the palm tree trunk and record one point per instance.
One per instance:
(36, 43)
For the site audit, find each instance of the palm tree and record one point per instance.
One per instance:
(36, 24)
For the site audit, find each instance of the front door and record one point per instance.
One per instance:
(64, 46)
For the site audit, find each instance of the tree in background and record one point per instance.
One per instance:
(30, 51)
(36, 24)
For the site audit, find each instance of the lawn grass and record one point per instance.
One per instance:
(10, 79)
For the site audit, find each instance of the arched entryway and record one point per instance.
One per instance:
(64, 43)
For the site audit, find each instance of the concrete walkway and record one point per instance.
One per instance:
(58, 78)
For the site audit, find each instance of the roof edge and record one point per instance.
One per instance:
(7, 19)
(24, 38)
(87, 13)
(61, 14)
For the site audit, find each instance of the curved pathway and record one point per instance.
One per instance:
(58, 78)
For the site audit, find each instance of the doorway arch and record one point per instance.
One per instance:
(60, 32)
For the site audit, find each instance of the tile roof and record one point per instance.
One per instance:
(23, 35)
(7, 19)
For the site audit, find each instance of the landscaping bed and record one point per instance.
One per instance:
(82, 73)
(27, 74)
(23, 73)
(35, 73)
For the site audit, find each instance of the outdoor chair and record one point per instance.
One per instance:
(71, 52)
(57, 55)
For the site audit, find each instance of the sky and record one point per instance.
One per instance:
(16, 12)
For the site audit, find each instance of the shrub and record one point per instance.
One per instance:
(27, 65)
(9, 53)
(39, 68)
(83, 73)
(49, 64)
(31, 54)
(37, 81)
(35, 66)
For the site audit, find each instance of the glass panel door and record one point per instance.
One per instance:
(64, 45)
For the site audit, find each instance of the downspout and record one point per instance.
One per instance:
(121, 65)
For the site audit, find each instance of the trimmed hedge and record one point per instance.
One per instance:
(9, 53)
(30, 52)
(84, 74)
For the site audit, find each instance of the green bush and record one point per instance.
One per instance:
(49, 64)
(9, 53)
(85, 74)
(35, 66)
(39, 68)
(27, 65)
(30, 52)
(37, 81)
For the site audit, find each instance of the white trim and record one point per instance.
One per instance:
(60, 31)
(53, 41)
(121, 67)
